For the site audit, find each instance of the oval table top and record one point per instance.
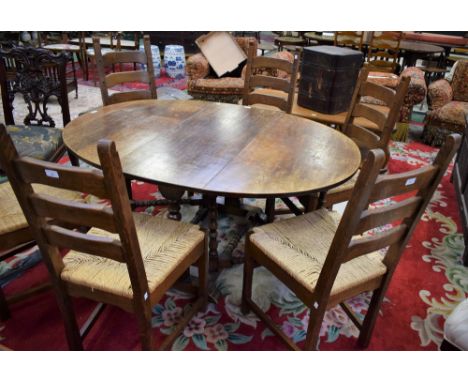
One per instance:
(223, 149)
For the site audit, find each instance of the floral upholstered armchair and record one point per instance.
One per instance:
(448, 106)
(416, 91)
(201, 86)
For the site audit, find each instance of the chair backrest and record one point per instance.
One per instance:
(459, 81)
(383, 51)
(145, 76)
(349, 39)
(37, 74)
(51, 219)
(385, 121)
(256, 77)
(351, 241)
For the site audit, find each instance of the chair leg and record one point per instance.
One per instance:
(146, 330)
(4, 310)
(73, 159)
(313, 330)
(203, 272)
(270, 209)
(128, 184)
(249, 266)
(371, 317)
(72, 330)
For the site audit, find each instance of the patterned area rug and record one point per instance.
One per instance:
(428, 283)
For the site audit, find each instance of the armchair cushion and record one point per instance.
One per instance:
(36, 141)
(452, 113)
(197, 67)
(225, 85)
(416, 91)
(439, 94)
(460, 82)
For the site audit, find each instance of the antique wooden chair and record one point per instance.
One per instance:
(128, 260)
(366, 139)
(351, 40)
(325, 260)
(383, 51)
(111, 58)
(15, 235)
(37, 75)
(263, 87)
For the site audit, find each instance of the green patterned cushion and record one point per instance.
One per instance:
(36, 141)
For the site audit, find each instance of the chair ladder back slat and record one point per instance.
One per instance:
(102, 246)
(372, 218)
(118, 78)
(55, 175)
(371, 114)
(270, 82)
(124, 57)
(272, 63)
(133, 95)
(113, 176)
(363, 246)
(362, 137)
(80, 214)
(396, 184)
(379, 92)
(256, 98)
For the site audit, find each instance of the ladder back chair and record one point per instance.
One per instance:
(325, 260)
(127, 260)
(116, 78)
(383, 51)
(279, 92)
(263, 87)
(351, 40)
(366, 139)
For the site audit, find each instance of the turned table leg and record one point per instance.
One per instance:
(213, 232)
(174, 195)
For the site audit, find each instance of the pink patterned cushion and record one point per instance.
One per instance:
(453, 113)
(225, 85)
(386, 79)
(460, 81)
(439, 94)
(197, 66)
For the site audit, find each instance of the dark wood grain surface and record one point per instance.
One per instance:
(216, 148)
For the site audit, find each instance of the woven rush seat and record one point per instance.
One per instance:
(11, 215)
(38, 142)
(346, 186)
(164, 245)
(300, 246)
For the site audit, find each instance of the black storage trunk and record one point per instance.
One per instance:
(328, 77)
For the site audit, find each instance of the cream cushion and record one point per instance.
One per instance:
(164, 245)
(456, 326)
(11, 214)
(300, 246)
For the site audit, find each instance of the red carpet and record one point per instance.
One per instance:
(428, 283)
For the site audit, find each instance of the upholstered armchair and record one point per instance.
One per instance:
(202, 86)
(448, 106)
(416, 91)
